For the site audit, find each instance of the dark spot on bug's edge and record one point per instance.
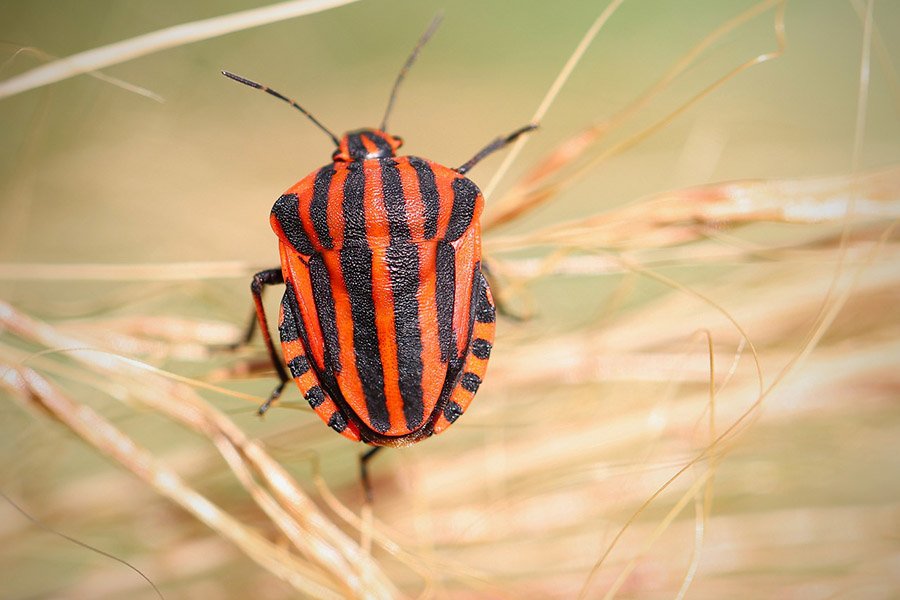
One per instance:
(324, 299)
(298, 366)
(287, 329)
(337, 422)
(452, 411)
(318, 208)
(470, 382)
(485, 313)
(465, 192)
(286, 213)
(481, 348)
(291, 327)
(444, 297)
(428, 191)
(403, 265)
(316, 396)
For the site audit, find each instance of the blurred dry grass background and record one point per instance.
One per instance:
(703, 403)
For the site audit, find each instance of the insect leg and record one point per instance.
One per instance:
(252, 321)
(249, 328)
(257, 285)
(364, 459)
(500, 299)
(498, 144)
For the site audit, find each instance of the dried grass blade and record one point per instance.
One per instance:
(320, 539)
(170, 37)
(105, 437)
(512, 205)
(682, 216)
(554, 90)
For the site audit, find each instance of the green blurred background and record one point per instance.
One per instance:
(91, 172)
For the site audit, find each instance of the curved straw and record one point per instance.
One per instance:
(162, 39)
(554, 91)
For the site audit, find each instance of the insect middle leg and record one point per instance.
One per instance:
(498, 144)
(257, 285)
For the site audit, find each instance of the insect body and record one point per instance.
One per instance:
(387, 321)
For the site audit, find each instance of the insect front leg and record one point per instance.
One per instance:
(257, 285)
(498, 144)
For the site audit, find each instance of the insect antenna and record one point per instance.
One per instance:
(281, 96)
(435, 22)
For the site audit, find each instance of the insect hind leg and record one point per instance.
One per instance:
(364, 459)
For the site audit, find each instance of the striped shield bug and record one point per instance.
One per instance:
(387, 320)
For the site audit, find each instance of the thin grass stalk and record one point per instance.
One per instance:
(163, 39)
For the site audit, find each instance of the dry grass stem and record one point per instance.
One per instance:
(683, 216)
(534, 190)
(170, 37)
(553, 92)
(45, 57)
(182, 271)
(290, 509)
(97, 431)
(701, 404)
